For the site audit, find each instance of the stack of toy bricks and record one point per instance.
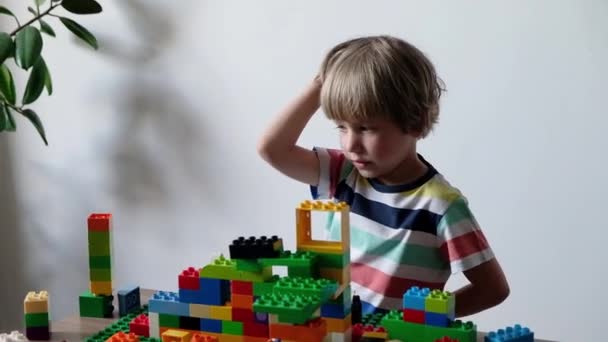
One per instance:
(98, 301)
(427, 316)
(36, 309)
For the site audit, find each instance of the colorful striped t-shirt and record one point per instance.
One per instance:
(405, 235)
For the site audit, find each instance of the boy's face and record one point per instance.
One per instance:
(379, 149)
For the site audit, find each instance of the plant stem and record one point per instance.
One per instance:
(15, 108)
(40, 15)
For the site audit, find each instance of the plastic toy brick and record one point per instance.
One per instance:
(121, 325)
(211, 325)
(289, 308)
(323, 289)
(101, 222)
(201, 337)
(266, 287)
(36, 302)
(221, 312)
(304, 241)
(516, 333)
(189, 323)
(101, 287)
(38, 333)
(313, 331)
(255, 329)
(92, 305)
(191, 296)
(40, 319)
(154, 318)
(169, 321)
(413, 332)
(128, 301)
(291, 259)
(140, 325)
(13, 336)
(241, 287)
(248, 265)
(214, 291)
(168, 303)
(188, 279)
(372, 319)
(241, 301)
(414, 316)
(446, 339)
(176, 336)
(222, 268)
(123, 337)
(415, 298)
(356, 310)
(369, 332)
(330, 260)
(200, 310)
(255, 248)
(436, 319)
(338, 324)
(232, 328)
(341, 275)
(441, 302)
(102, 261)
(100, 274)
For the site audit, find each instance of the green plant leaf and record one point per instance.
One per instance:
(82, 6)
(7, 85)
(6, 11)
(6, 46)
(33, 117)
(28, 45)
(35, 83)
(10, 126)
(33, 11)
(46, 28)
(80, 31)
(3, 118)
(48, 82)
(39, 2)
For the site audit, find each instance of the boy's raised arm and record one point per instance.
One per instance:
(278, 143)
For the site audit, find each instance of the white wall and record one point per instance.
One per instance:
(159, 128)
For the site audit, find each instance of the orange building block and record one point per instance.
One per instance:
(201, 337)
(172, 335)
(122, 337)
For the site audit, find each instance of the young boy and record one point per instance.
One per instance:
(409, 226)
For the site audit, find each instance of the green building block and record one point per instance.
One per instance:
(232, 328)
(249, 265)
(100, 274)
(37, 319)
(399, 329)
(262, 288)
(289, 308)
(333, 260)
(99, 249)
(225, 269)
(95, 306)
(439, 302)
(289, 259)
(121, 325)
(373, 319)
(322, 289)
(169, 321)
(345, 298)
(103, 261)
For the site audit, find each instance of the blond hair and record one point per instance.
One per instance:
(381, 76)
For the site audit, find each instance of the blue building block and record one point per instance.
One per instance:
(128, 301)
(334, 310)
(211, 325)
(436, 319)
(214, 291)
(414, 298)
(191, 296)
(168, 303)
(516, 333)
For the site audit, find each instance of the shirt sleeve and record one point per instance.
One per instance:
(462, 243)
(333, 169)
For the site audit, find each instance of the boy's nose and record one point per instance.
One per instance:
(352, 143)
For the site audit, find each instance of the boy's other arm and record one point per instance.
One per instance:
(278, 144)
(488, 287)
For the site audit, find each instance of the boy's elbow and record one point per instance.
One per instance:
(501, 293)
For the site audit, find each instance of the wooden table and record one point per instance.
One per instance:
(77, 328)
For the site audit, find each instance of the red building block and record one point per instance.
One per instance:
(447, 339)
(200, 337)
(189, 279)
(99, 222)
(140, 326)
(241, 287)
(414, 316)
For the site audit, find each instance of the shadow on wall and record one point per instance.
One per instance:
(157, 138)
(12, 256)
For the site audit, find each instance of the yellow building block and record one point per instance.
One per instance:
(230, 338)
(223, 313)
(338, 324)
(200, 311)
(172, 335)
(36, 302)
(101, 287)
(304, 241)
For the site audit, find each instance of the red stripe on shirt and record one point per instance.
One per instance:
(380, 282)
(336, 159)
(464, 245)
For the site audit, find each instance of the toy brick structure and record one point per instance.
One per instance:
(98, 301)
(36, 310)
